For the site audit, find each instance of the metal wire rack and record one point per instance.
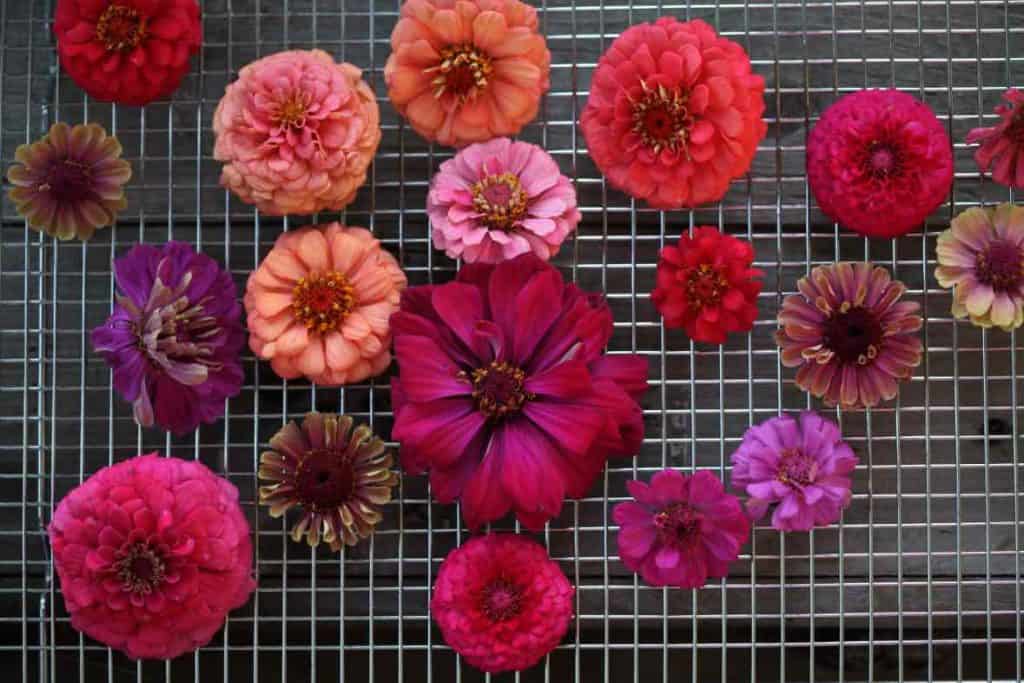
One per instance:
(920, 582)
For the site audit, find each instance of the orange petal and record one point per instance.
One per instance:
(404, 84)
(518, 72)
(268, 328)
(355, 327)
(489, 30)
(347, 252)
(284, 265)
(313, 250)
(449, 26)
(312, 360)
(341, 353)
(425, 111)
(293, 340)
(270, 303)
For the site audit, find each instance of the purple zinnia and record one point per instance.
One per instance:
(174, 336)
(801, 466)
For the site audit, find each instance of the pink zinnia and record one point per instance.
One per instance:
(680, 530)
(1002, 145)
(801, 467)
(674, 113)
(505, 393)
(496, 200)
(501, 602)
(879, 162)
(152, 554)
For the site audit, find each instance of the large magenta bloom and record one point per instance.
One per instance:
(152, 554)
(501, 602)
(1001, 149)
(681, 530)
(802, 467)
(505, 393)
(174, 336)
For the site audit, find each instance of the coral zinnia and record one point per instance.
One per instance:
(850, 335)
(496, 200)
(174, 336)
(879, 162)
(465, 71)
(501, 602)
(296, 133)
(505, 393)
(152, 554)
(337, 476)
(127, 51)
(674, 113)
(981, 256)
(1002, 145)
(802, 467)
(680, 530)
(706, 286)
(70, 181)
(320, 302)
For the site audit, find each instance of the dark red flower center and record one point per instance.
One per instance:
(500, 200)
(1001, 266)
(120, 28)
(140, 567)
(854, 334)
(883, 160)
(325, 479)
(661, 118)
(797, 468)
(499, 389)
(677, 525)
(501, 599)
(322, 301)
(464, 71)
(69, 181)
(705, 286)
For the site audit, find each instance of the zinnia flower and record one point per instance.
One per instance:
(674, 113)
(499, 199)
(152, 554)
(1002, 145)
(296, 133)
(173, 337)
(850, 335)
(465, 71)
(680, 530)
(981, 256)
(505, 393)
(70, 181)
(706, 286)
(336, 475)
(320, 302)
(501, 602)
(127, 51)
(879, 162)
(801, 467)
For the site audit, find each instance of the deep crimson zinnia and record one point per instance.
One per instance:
(127, 51)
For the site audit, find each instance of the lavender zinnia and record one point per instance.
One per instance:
(173, 337)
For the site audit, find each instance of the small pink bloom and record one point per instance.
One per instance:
(680, 530)
(1002, 145)
(801, 467)
(496, 200)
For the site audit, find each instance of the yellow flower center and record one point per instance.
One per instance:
(501, 200)
(464, 71)
(662, 118)
(322, 301)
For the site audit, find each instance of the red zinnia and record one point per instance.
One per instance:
(1002, 145)
(706, 286)
(127, 51)
(674, 113)
(501, 602)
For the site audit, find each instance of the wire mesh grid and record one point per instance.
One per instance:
(921, 580)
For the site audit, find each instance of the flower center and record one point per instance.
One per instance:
(120, 28)
(883, 160)
(677, 525)
(705, 286)
(501, 200)
(795, 468)
(292, 112)
(464, 71)
(140, 568)
(1000, 266)
(69, 181)
(498, 389)
(661, 118)
(853, 334)
(322, 301)
(501, 599)
(325, 479)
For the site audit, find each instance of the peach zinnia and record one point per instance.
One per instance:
(468, 70)
(319, 305)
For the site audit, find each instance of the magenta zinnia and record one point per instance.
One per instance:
(505, 393)
(1001, 147)
(336, 475)
(849, 334)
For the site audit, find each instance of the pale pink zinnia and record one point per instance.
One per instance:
(1002, 145)
(496, 200)
(296, 133)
